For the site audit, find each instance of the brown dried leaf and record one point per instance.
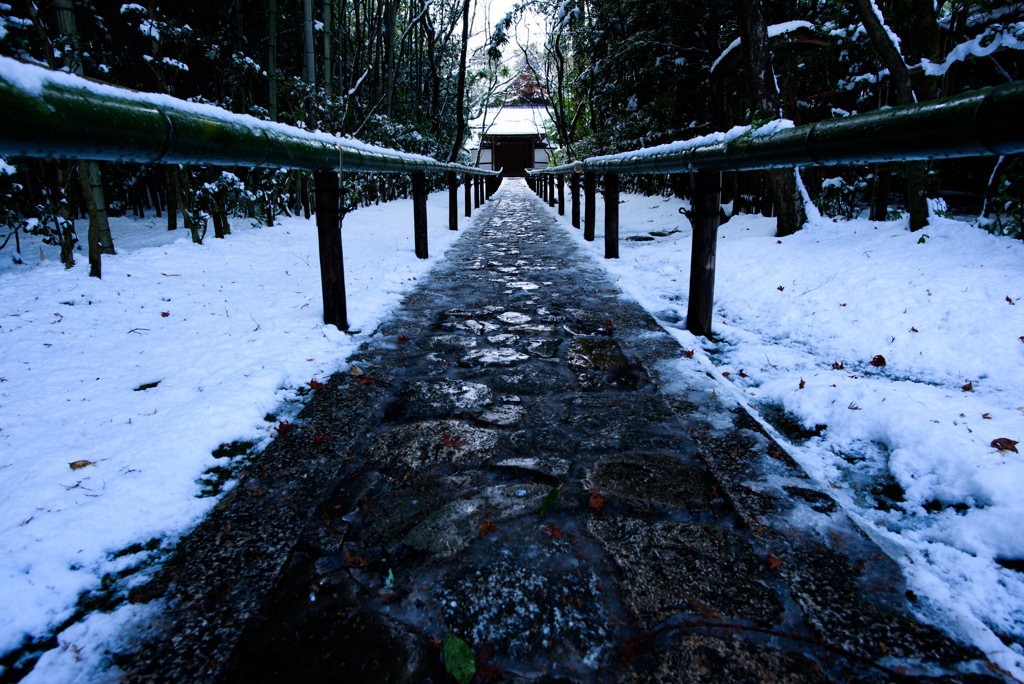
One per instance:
(773, 562)
(553, 531)
(913, 329)
(1003, 444)
(878, 361)
(689, 354)
(356, 371)
(726, 374)
(596, 502)
(742, 374)
(402, 339)
(838, 365)
(452, 442)
(78, 465)
(702, 608)
(969, 387)
(486, 527)
(780, 288)
(802, 383)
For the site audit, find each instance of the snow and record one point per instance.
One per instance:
(944, 307)
(773, 31)
(994, 38)
(33, 80)
(230, 329)
(514, 121)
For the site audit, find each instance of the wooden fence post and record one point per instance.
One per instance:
(453, 201)
(551, 191)
(561, 195)
(574, 190)
(419, 213)
(476, 192)
(588, 208)
(611, 216)
(707, 201)
(469, 210)
(328, 229)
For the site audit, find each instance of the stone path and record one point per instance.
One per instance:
(683, 544)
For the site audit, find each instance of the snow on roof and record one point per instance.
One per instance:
(514, 121)
(773, 30)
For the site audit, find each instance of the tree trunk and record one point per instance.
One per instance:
(764, 97)
(460, 98)
(272, 57)
(328, 30)
(171, 171)
(389, 56)
(917, 172)
(307, 10)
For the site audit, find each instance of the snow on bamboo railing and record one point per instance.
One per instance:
(978, 123)
(56, 115)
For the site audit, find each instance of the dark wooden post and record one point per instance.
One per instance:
(332, 267)
(574, 190)
(561, 195)
(453, 201)
(707, 202)
(476, 192)
(469, 210)
(419, 213)
(588, 208)
(551, 191)
(611, 216)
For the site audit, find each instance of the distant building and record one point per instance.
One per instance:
(515, 139)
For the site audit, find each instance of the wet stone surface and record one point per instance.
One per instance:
(506, 466)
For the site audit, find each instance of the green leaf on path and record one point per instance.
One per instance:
(549, 501)
(458, 659)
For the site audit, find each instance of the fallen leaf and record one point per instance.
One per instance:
(596, 502)
(458, 659)
(78, 465)
(726, 374)
(853, 407)
(773, 562)
(986, 416)
(452, 443)
(283, 427)
(834, 484)
(486, 527)
(702, 608)
(553, 531)
(1010, 301)
(778, 242)
(838, 365)
(165, 314)
(608, 322)
(878, 361)
(780, 288)
(689, 354)
(315, 385)
(320, 439)
(742, 374)
(969, 387)
(169, 275)
(1003, 444)
(549, 501)
(843, 304)
(913, 329)
(402, 339)
(356, 371)
(802, 383)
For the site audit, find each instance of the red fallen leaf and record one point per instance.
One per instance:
(452, 443)
(913, 329)
(596, 502)
(838, 365)
(402, 339)
(315, 385)
(1010, 301)
(165, 314)
(486, 527)
(802, 383)
(842, 304)
(986, 416)
(365, 381)
(1004, 444)
(283, 427)
(773, 562)
(553, 531)
(689, 354)
(878, 361)
(702, 608)
(742, 374)
(608, 322)
(726, 374)
(853, 407)
(778, 242)
(320, 439)
(969, 387)
(780, 288)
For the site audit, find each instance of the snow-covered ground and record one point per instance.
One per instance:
(94, 465)
(907, 448)
(243, 334)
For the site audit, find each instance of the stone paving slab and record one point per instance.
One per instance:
(683, 543)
